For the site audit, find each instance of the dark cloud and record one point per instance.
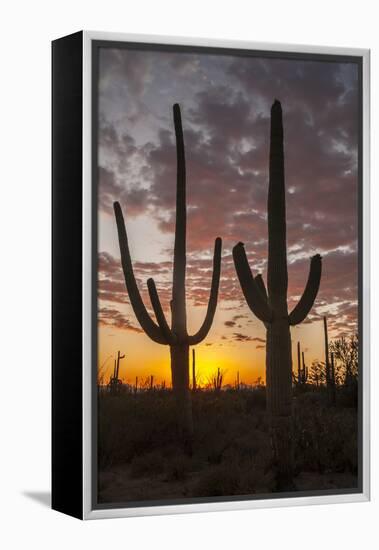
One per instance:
(236, 317)
(113, 318)
(225, 108)
(239, 337)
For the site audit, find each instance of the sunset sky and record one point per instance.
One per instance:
(225, 103)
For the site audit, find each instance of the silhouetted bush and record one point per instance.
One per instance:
(147, 464)
(178, 467)
(325, 437)
(141, 458)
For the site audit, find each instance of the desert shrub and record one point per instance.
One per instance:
(220, 480)
(232, 451)
(254, 445)
(147, 464)
(178, 467)
(311, 398)
(325, 439)
(350, 454)
(348, 395)
(132, 425)
(255, 399)
(234, 477)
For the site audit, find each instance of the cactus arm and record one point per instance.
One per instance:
(143, 317)
(212, 302)
(261, 285)
(158, 310)
(251, 290)
(305, 304)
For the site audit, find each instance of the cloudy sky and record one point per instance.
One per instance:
(225, 103)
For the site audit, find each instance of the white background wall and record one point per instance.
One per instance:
(26, 30)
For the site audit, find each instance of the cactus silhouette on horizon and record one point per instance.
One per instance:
(114, 381)
(270, 306)
(176, 336)
(304, 374)
(217, 380)
(329, 366)
(302, 369)
(298, 363)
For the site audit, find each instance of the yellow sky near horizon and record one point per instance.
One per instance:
(144, 358)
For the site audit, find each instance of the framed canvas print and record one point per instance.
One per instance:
(210, 275)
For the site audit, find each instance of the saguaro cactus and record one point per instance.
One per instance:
(271, 307)
(119, 357)
(298, 364)
(175, 336)
(329, 368)
(194, 385)
(304, 373)
(217, 381)
(115, 382)
(333, 374)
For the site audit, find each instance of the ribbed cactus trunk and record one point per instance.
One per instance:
(179, 355)
(179, 351)
(279, 365)
(194, 384)
(176, 335)
(271, 306)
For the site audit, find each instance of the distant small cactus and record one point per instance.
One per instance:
(238, 381)
(329, 367)
(115, 382)
(217, 380)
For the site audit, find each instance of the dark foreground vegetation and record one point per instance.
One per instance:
(139, 458)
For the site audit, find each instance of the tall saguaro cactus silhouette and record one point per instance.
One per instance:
(175, 336)
(271, 306)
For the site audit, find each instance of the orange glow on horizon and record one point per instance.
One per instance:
(144, 357)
